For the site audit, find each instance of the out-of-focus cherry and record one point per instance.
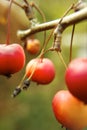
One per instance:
(32, 46)
(69, 111)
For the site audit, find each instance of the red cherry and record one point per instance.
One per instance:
(69, 111)
(12, 58)
(76, 78)
(33, 46)
(43, 70)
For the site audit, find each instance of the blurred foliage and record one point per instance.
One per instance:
(32, 110)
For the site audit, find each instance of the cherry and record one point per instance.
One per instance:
(32, 46)
(12, 58)
(41, 69)
(76, 78)
(69, 111)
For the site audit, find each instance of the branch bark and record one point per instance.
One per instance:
(67, 21)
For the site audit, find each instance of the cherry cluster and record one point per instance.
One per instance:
(40, 69)
(69, 106)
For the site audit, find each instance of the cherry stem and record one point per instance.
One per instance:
(67, 11)
(43, 17)
(70, 58)
(33, 70)
(22, 80)
(45, 44)
(61, 58)
(8, 23)
(18, 89)
(44, 20)
(20, 86)
(43, 51)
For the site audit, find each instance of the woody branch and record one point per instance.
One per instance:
(67, 21)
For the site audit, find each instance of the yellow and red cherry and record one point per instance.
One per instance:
(41, 69)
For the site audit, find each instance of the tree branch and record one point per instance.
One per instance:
(69, 20)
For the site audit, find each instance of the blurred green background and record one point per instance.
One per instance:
(32, 109)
